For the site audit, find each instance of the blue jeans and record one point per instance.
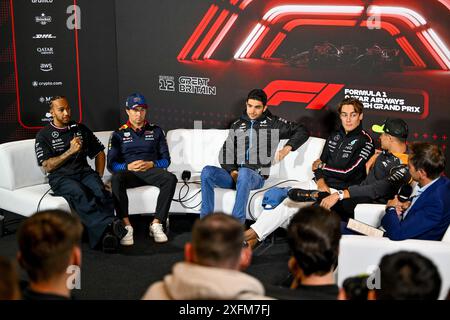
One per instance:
(212, 177)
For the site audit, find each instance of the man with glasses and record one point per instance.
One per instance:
(341, 164)
(247, 153)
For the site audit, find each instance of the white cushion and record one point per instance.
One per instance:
(193, 149)
(370, 214)
(297, 165)
(24, 201)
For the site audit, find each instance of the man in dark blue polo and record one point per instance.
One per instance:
(138, 155)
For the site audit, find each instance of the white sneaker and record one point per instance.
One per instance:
(156, 231)
(128, 239)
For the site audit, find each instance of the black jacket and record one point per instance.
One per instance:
(345, 156)
(387, 175)
(252, 143)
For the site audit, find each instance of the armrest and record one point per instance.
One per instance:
(361, 254)
(369, 213)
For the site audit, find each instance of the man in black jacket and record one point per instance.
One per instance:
(346, 151)
(247, 153)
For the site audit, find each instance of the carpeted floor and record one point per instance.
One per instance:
(128, 273)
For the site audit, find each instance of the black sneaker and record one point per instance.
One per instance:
(118, 228)
(110, 243)
(302, 195)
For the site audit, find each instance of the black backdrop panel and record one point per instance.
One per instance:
(174, 53)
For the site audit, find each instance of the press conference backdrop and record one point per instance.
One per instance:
(197, 59)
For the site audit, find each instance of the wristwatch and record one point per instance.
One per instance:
(341, 195)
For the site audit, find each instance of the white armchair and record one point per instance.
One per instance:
(360, 254)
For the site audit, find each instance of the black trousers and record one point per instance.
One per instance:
(86, 194)
(164, 180)
(346, 207)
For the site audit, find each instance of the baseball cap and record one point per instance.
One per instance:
(273, 197)
(394, 127)
(136, 100)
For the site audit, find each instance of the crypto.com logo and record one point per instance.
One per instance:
(278, 21)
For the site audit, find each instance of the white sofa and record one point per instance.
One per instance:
(23, 182)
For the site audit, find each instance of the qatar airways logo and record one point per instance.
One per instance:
(41, 1)
(45, 50)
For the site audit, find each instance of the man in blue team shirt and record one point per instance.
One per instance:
(138, 155)
(62, 148)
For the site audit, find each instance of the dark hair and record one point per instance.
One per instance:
(428, 157)
(46, 240)
(313, 237)
(217, 239)
(356, 287)
(9, 282)
(408, 276)
(359, 107)
(258, 94)
(56, 98)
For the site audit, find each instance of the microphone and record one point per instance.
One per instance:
(404, 193)
(76, 132)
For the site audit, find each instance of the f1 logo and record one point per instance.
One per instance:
(316, 94)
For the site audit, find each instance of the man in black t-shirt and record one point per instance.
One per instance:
(313, 236)
(61, 149)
